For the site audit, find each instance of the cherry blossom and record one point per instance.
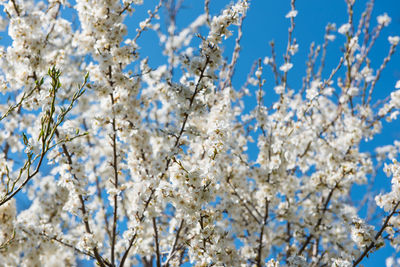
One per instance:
(125, 162)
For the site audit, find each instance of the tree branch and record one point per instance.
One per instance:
(373, 243)
(158, 255)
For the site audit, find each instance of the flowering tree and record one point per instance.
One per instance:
(127, 164)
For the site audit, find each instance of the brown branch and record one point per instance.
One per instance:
(67, 245)
(235, 55)
(16, 8)
(152, 14)
(115, 167)
(99, 196)
(196, 91)
(379, 72)
(102, 262)
(158, 255)
(191, 101)
(373, 243)
(325, 208)
(260, 245)
(243, 201)
(173, 249)
(289, 43)
(272, 63)
(324, 48)
(133, 238)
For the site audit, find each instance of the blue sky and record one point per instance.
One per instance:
(265, 22)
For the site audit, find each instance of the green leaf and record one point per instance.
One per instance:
(25, 139)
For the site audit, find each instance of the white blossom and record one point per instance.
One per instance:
(384, 19)
(394, 40)
(291, 14)
(341, 263)
(279, 89)
(353, 91)
(286, 67)
(344, 29)
(397, 86)
(111, 155)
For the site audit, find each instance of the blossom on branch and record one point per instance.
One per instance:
(111, 155)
